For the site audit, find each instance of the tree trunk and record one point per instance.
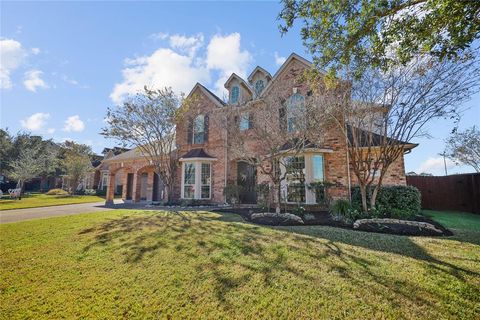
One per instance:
(373, 199)
(363, 192)
(279, 196)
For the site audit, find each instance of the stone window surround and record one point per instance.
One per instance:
(198, 175)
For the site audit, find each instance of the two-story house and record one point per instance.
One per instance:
(207, 163)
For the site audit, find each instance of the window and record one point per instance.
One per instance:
(296, 113)
(295, 178)
(205, 179)
(259, 87)
(199, 129)
(244, 121)
(105, 181)
(189, 181)
(317, 161)
(234, 94)
(197, 180)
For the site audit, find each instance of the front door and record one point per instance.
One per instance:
(247, 177)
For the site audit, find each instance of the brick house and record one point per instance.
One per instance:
(207, 164)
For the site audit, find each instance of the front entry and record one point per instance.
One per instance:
(247, 177)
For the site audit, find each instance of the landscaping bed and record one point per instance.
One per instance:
(325, 219)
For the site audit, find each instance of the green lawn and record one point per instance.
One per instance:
(151, 264)
(455, 220)
(43, 200)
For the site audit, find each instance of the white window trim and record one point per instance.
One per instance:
(198, 178)
(309, 194)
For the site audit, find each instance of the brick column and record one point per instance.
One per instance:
(124, 184)
(136, 187)
(150, 186)
(110, 189)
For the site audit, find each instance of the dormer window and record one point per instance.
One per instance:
(296, 113)
(234, 93)
(199, 129)
(259, 85)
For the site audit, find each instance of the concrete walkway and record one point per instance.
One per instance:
(16, 215)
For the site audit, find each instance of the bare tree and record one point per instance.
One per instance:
(147, 122)
(387, 110)
(280, 122)
(464, 147)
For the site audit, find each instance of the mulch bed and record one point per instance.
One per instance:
(324, 219)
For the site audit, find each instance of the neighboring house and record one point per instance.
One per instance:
(206, 166)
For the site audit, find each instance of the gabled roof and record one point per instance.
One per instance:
(292, 57)
(243, 82)
(218, 102)
(259, 69)
(134, 153)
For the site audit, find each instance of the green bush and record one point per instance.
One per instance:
(101, 192)
(90, 192)
(232, 193)
(400, 202)
(57, 192)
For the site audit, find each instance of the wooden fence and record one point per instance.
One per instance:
(460, 192)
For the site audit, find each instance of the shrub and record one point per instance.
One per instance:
(90, 192)
(264, 191)
(339, 209)
(57, 192)
(232, 193)
(392, 202)
(320, 190)
(101, 192)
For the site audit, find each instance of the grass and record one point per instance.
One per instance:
(43, 200)
(455, 220)
(154, 264)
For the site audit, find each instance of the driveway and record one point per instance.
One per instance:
(16, 215)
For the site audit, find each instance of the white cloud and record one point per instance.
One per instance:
(35, 51)
(224, 54)
(189, 45)
(435, 166)
(159, 36)
(33, 80)
(182, 64)
(164, 68)
(74, 123)
(35, 122)
(50, 130)
(12, 56)
(279, 60)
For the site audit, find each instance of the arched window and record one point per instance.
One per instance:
(296, 113)
(259, 87)
(234, 94)
(199, 129)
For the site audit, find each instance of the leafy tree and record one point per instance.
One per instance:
(6, 146)
(369, 32)
(76, 161)
(464, 147)
(27, 165)
(147, 121)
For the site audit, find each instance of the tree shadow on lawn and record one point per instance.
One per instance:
(243, 250)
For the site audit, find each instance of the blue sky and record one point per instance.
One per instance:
(63, 64)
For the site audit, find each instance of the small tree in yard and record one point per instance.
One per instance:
(26, 166)
(147, 121)
(76, 160)
(464, 147)
(387, 109)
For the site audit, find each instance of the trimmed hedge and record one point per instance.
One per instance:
(392, 201)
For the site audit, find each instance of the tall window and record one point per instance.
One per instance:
(295, 178)
(259, 87)
(318, 174)
(197, 180)
(199, 129)
(189, 181)
(244, 121)
(234, 94)
(296, 113)
(205, 180)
